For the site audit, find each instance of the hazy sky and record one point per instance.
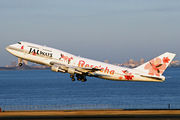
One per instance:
(116, 30)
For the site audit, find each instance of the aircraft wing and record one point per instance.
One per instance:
(79, 70)
(87, 69)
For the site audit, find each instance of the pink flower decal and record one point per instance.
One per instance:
(128, 76)
(166, 60)
(66, 58)
(156, 67)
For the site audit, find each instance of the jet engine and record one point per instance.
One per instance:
(57, 69)
(71, 71)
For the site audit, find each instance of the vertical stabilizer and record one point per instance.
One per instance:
(156, 66)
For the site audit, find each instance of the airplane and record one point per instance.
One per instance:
(79, 67)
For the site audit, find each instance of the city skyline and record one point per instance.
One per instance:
(130, 63)
(114, 30)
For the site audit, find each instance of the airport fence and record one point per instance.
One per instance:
(89, 107)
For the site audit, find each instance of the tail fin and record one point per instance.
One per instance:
(156, 66)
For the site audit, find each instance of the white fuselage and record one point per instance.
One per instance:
(45, 55)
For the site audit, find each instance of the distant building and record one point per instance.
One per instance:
(13, 64)
(175, 63)
(131, 61)
(106, 61)
(141, 61)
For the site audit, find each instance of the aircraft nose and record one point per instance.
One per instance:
(7, 48)
(10, 47)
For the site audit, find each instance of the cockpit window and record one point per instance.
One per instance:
(19, 42)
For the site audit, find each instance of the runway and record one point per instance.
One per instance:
(98, 114)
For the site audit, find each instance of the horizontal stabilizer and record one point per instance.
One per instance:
(156, 78)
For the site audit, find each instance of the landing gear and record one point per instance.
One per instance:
(84, 80)
(78, 77)
(81, 78)
(20, 64)
(72, 77)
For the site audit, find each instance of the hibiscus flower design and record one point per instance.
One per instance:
(156, 67)
(128, 76)
(166, 60)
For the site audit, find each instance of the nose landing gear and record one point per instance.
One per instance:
(20, 64)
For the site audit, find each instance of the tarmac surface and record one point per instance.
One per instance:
(93, 114)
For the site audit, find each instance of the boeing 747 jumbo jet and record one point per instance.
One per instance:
(79, 67)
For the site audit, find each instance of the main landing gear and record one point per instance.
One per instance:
(81, 78)
(72, 77)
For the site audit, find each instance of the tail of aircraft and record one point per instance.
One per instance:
(156, 66)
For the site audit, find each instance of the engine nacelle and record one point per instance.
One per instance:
(57, 69)
(71, 70)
